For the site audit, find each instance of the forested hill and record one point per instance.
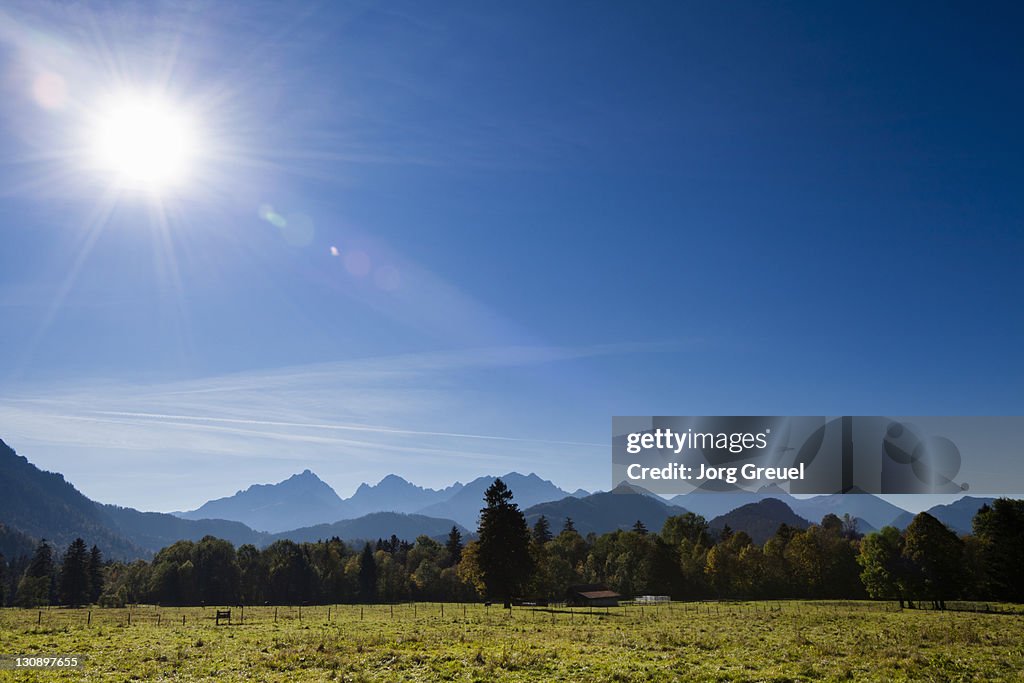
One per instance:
(14, 543)
(155, 530)
(759, 520)
(44, 505)
(373, 526)
(36, 505)
(607, 511)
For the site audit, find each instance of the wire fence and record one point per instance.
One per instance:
(626, 612)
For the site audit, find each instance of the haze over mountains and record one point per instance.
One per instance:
(725, 498)
(35, 504)
(304, 500)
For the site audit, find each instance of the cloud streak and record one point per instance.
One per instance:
(431, 417)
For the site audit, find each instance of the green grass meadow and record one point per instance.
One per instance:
(763, 641)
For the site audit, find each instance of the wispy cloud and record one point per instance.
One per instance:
(425, 416)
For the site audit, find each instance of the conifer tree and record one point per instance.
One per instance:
(454, 546)
(505, 560)
(95, 575)
(367, 575)
(74, 574)
(542, 530)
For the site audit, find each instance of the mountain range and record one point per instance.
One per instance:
(723, 498)
(305, 500)
(35, 505)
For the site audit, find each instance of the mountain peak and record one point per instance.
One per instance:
(301, 500)
(306, 477)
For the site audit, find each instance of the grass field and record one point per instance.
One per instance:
(764, 641)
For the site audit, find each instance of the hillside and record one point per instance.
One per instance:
(14, 543)
(603, 512)
(714, 498)
(373, 526)
(43, 505)
(760, 520)
(156, 530)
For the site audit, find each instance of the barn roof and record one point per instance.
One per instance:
(597, 595)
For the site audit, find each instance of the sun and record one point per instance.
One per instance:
(143, 142)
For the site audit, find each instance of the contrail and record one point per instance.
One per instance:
(342, 427)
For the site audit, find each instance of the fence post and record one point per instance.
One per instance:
(275, 615)
(182, 619)
(88, 622)
(129, 616)
(157, 618)
(39, 619)
(328, 614)
(442, 610)
(360, 613)
(392, 610)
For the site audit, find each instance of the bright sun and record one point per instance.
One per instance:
(143, 142)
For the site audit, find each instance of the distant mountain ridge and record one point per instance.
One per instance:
(299, 501)
(395, 494)
(304, 500)
(37, 505)
(724, 498)
(464, 507)
(958, 515)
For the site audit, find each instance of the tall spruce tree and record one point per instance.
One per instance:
(542, 530)
(454, 546)
(95, 575)
(74, 574)
(367, 575)
(504, 555)
(37, 583)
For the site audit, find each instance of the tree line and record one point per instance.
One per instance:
(685, 559)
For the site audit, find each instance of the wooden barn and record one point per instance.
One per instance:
(591, 595)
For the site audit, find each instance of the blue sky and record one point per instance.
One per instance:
(542, 215)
